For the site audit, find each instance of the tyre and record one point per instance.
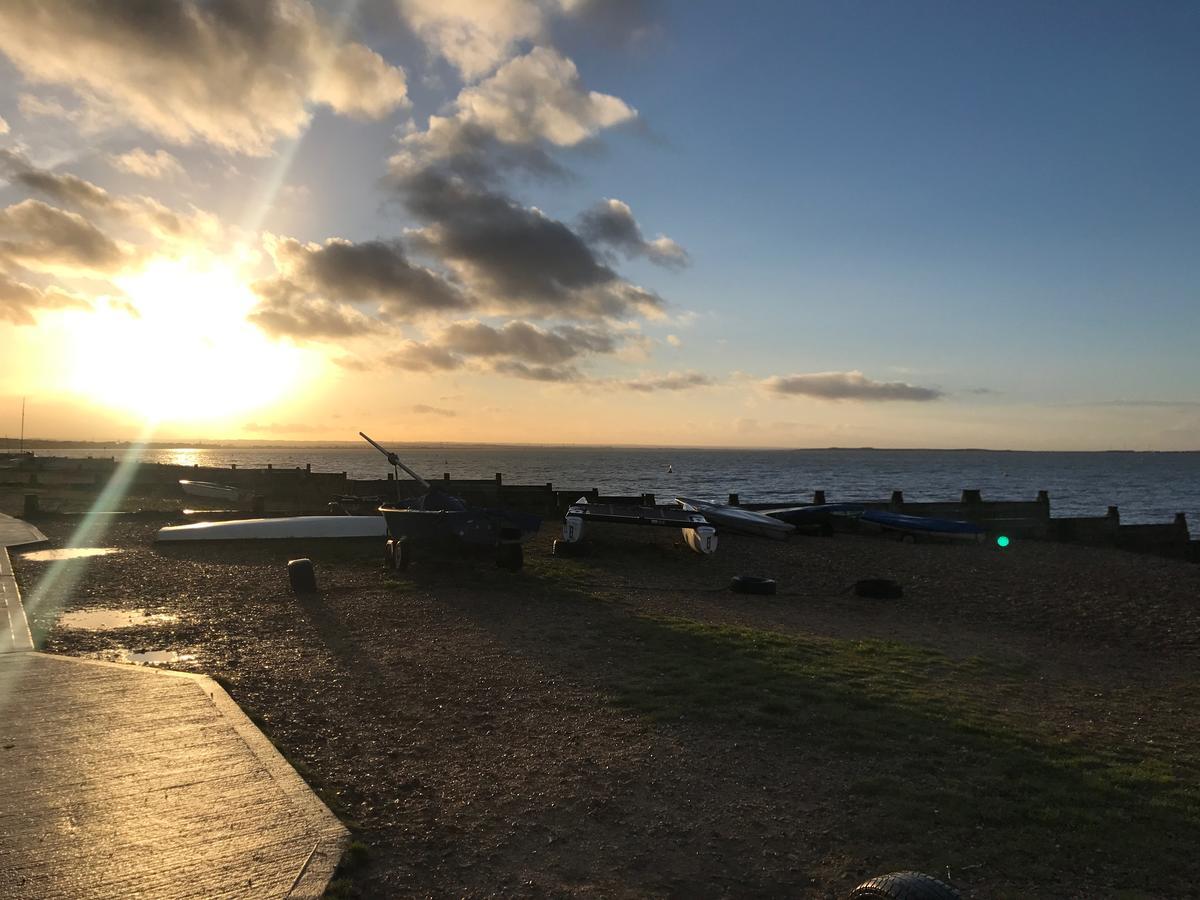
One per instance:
(389, 554)
(752, 584)
(904, 886)
(878, 589)
(302, 576)
(401, 554)
(511, 558)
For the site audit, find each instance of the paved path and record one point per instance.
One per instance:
(14, 629)
(121, 781)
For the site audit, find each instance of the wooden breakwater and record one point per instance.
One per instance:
(292, 489)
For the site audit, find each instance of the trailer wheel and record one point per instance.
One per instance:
(904, 886)
(401, 554)
(389, 554)
(752, 584)
(302, 576)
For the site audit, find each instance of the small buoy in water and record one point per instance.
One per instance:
(670, 468)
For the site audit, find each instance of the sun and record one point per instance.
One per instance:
(182, 350)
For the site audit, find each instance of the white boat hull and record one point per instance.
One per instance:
(209, 489)
(735, 519)
(288, 528)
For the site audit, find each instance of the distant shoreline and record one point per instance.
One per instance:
(13, 444)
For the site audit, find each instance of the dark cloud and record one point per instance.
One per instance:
(847, 386)
(518, 258)
(35, 235)
(235, 73)
(19, 301)
(371, 271)
(521, 340)
(417, 357)
(518, 369)
(285, 310)
(672, 381)
(610, 223)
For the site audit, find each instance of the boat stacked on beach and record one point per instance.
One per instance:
(698, 533)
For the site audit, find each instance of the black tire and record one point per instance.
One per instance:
(568, 549)
(401, 554)
(878, 589)
(302, 576)
(904, 886)
(752, 584)
(389, 554)
(511, 558)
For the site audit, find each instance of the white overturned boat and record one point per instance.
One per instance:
(209, 489)
(286, 528)
(737, 519)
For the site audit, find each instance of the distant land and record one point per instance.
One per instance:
(33, 444)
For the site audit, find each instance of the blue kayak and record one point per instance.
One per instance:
(815, 514)
(923, 524)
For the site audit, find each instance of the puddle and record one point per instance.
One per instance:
(68, 553)
(98, 619)
(143, 658)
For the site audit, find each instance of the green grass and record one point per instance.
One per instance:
(947, 774)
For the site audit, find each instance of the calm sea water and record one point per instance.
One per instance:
(1148, 487)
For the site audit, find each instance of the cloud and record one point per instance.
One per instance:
(518, 369)
(847, 386)
(140, 212)
(516, 259)
(417, 357)
(523, 341)
(237, 74)
(610, 223)
(286, 311)
(340, 271)
(37, 236)
(158, 165)
(3, 126)
(19, 301)
(425, 410)
(672, 381)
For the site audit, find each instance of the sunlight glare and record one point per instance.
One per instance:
(189, 355)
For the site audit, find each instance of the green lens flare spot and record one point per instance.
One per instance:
(1002, 541)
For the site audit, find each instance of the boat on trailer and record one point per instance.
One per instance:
(698, 533)
(735, 518)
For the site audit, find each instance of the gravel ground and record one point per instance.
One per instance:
(457, 715)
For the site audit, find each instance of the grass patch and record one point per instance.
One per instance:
(946, 773)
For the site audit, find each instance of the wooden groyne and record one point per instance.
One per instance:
(296, 488)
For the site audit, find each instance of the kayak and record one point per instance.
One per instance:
(924, 525)
(820, 514)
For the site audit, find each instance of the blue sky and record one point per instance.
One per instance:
(926, 224)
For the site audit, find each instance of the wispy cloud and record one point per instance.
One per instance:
(847, 386)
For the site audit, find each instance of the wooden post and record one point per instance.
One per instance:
(897, 500)
(499, 479)
(1181, 520)
(818, 498)
(308, 468)
(971, 496)
(733, 499)
(270, 466)
(1114, 513)
(233, 465)
(31, 506)
(1043, 497)
(445, 476)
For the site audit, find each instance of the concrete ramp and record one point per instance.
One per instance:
(121, 781)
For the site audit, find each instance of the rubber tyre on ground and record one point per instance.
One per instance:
(904, 886)
(752, 584)
(389, 554)
(878, 589)
(511, 557)
(569, 549)
(302, 576)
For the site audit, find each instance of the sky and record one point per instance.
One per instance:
(788, 224)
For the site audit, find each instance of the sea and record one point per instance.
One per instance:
(1147, 487)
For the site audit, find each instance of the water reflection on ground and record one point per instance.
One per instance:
(65, 553)
(102, 619)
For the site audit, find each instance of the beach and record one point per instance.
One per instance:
(621, 724)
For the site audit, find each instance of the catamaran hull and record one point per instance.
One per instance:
(286, 528)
